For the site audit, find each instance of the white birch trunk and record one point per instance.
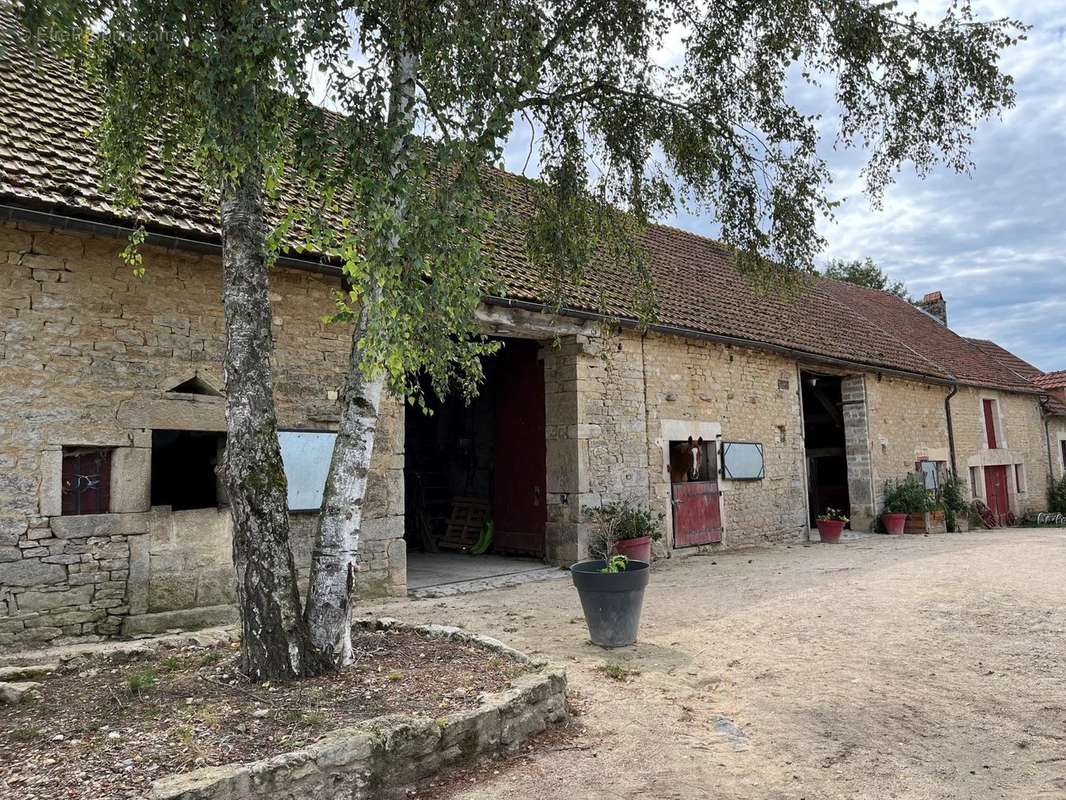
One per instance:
(333, 562)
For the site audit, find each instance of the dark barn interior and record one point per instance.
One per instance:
(474, 473)
(823, 425)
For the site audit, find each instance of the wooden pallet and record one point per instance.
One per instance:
(465, 523)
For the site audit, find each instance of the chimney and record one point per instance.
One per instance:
(935, 306)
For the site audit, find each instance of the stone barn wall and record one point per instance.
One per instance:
(754, 397)
(596, 437)
(90, 356)
(87, 354)
(907, 424)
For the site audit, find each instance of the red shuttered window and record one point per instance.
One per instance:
(990, 423)
(86, 480)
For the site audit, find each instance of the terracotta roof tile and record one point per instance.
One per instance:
(1019, 366)
(1051, 380)
(47, 163)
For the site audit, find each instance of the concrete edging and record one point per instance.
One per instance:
(383, 755)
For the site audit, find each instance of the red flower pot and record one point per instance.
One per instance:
(830, 530)
(638, 549)
(894, 523)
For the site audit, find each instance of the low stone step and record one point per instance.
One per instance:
(15, 693)
(22, 673)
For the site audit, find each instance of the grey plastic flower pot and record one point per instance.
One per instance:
(611, 601)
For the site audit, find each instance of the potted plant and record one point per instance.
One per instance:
(626, 529)
(611, 585)
(910, 497)
(831, 524)
(612, 595)
(956, 506)
(894, 517)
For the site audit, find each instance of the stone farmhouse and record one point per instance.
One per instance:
(739, 414)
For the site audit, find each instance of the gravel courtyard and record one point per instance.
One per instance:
(910, 667)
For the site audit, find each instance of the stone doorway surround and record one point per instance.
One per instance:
(674, 430)
(857, 450)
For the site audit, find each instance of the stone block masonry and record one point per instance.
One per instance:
(88, 356)
(857, 448)
(748, 396)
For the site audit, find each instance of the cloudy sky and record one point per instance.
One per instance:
(993, 241)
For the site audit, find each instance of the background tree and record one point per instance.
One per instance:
(864, 272)
(406, 201)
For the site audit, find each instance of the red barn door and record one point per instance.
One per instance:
(996, 493)
(519, 509)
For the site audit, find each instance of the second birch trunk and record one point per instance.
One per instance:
(333, 562)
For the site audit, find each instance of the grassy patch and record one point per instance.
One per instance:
(26, 734)
(138, 682)
(617, 672)
(184, 733)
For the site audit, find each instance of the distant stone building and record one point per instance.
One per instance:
(1054, 383)
(739, 415)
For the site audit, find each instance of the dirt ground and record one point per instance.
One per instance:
(903, 667)
(103, 729)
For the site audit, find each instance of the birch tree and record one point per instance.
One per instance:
(215, 85)
(637, 106)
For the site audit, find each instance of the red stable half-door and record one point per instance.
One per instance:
(697, 513)
(996, 494)
(519, 509)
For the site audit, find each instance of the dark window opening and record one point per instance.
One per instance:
(692, 460)
(824, 440)
(1063, 443)
(183, 469)
(86, 480)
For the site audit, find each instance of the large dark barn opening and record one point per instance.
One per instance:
(474, 474)
(824, 439)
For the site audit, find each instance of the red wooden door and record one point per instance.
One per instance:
(697, 513)
(996, 493)
(519, 509)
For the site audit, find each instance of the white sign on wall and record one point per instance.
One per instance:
(742, 461)
(306, 456)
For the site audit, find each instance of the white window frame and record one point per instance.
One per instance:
(1020, 486)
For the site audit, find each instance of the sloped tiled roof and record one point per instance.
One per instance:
(1017, 365)
(1047, 381)
(48, 164)
(1051, 380)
